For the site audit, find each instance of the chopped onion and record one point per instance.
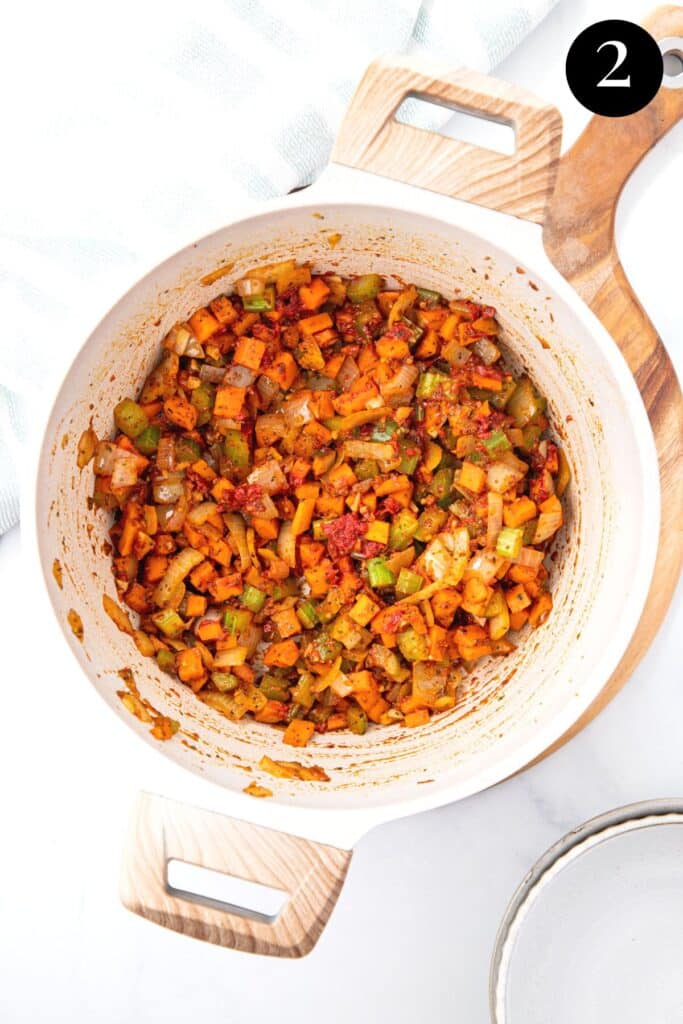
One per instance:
(548, 524)
(178, 568)
(267, 509)
(248, 286)
(429, 681)
(166, 452)
(530, 557)
(125, 471)
(494, 522)
(402, 381)
(211, 374)
(105, 458)
(269, 477)
(341, 685)
(500, 477)
(318, 382)
(484, 564)
(169, 489)
(269, 427)
(348, 373)
(267, 389)
(369, 450)
(297, 412)
(238, 535)
(176, 520)
(178, 339)
(487, 351)
(286, 544)
(198, 514)
(239, 376)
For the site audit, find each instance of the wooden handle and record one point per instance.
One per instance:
(372, 140)
(578, 235)
(310, 873)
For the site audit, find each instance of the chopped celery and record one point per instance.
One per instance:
(365, 287)
(224, 681)
(509, 543)
(253, 598)
(236, 449)
(500, 399)
(285, 588)
(408, 582)
(203, 398)
(497, 442)
(264, 303)
(307, 615)
(410, 453)
(357, 719)
(430, 522)
(187, 450)
(412, 645)
(530, 436)
(130, 418)
(302, 694)
(378, 573)
(429, 382)
(564, 473)
(331, 606)
(168, 622)
(236, 620)
(148, 441)
(402, 530)
(166, 660)
(416, 331)
(524, 403)
(384, 431)
(427, 295)
(334, 423)
(442, 483)
(274, 688)
(366, 469)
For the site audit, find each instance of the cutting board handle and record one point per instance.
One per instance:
(311, 874)
(371, 138)
(578, 235)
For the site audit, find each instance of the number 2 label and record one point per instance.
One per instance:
(619, 83)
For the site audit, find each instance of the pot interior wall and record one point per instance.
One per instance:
(504, 702)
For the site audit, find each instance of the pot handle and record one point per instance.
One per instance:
(371, 139)
(311, 874)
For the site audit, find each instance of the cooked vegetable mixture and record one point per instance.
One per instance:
(331, 498)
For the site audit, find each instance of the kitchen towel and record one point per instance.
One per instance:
(133, 129)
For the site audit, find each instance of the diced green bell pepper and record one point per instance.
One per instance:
(367, 286)
(509, 543)
(166, 661)
(427, 295)
(236, 450)
(148, 441)
(524, 403)
(274, 688)
(411, 453)
(130, 418)
(442, 483)
(384, 431)
(412, 645)
(430, 522)
(224, 681)
(408, 582)
(357, 720)
(187, 450)
(402, 530)
(302, 694)
(497, 442)
(379, 575)
(203, 398)
(366, 469)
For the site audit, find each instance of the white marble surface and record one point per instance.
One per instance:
(413, 931)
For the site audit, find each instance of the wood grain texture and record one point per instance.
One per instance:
(372, 140)
(311, 873)
(578, 235)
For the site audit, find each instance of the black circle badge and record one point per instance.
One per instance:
(614, 68)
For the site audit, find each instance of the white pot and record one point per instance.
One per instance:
(514, 708)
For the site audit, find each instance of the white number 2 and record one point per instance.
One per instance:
(622, 83)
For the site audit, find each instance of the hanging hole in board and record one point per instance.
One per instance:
(672, 54)
(455, 123)
(224, 892)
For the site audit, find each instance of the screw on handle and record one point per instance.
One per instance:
(162, 830)
(371, 139)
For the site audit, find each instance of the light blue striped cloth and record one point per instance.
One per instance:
(173, 106)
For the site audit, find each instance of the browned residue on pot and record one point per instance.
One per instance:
(253, 789)
(57, 573)
(163, 727)
(76, 624)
